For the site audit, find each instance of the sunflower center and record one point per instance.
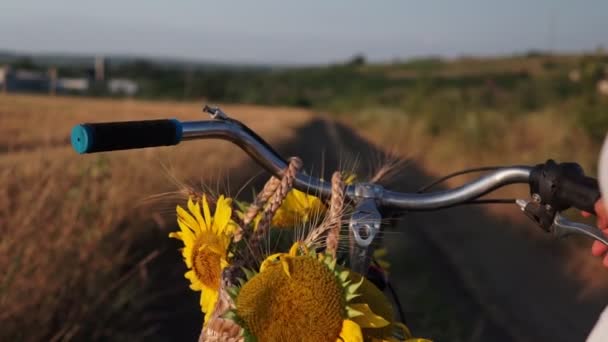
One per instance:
(309, 305)
(207, 267)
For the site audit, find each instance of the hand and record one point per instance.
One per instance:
(598, 249)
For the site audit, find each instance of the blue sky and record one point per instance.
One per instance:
(311, 31)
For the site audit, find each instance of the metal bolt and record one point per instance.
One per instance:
(215, 112)
(536, 198)
(521, 203)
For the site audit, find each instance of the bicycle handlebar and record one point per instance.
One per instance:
(475, 189)
(98, 137)
(113, 136)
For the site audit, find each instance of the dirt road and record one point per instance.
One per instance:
(508, 276)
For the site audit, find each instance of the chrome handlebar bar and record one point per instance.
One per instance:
(261, 152)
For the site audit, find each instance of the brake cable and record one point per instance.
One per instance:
(466, 171)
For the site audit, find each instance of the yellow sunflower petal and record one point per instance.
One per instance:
(195, 284)
(223, 212)
(224, 263)
(295, 248)
(195, 209)
(285, 265)
(187, 219)
(214, 247)
(351, 332)
(270, 260)
(231, 228)
(176, 235)
(225, 239)
(186, 232)
(349, 178)
(380, 252)
(300, 198)
(368, 319)
(187, 254)
(206, 212)
(298, 207)
(208, 299)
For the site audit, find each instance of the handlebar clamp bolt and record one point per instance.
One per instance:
(215, 112)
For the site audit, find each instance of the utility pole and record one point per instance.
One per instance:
(5, 73)
(52, 80)
(100, 68)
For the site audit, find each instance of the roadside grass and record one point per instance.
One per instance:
(78, 237)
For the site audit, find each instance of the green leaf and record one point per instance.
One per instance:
(233, 292)
(248, 273)
(230, 314)
(248, 337)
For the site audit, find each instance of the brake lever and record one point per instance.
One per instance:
(563, 227)
(553, 222)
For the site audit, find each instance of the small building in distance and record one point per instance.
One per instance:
(29, 81)
(94, 81)
(73, 85)
(24, 80)
(122, 86)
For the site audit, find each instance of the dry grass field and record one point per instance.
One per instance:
(84, 248)
(69, 223)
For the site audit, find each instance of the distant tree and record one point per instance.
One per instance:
(549, 64)
(357, 60)
(24, 63)
(536, 53)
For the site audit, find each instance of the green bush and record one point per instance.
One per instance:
(593, 117)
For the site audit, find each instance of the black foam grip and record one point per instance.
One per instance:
(564, 185)
(582, 192)
(112, 136)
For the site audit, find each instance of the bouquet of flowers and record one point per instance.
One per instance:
(270, 270)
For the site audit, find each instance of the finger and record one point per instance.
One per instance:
(602, 223)
(605, 261)
(598, 249)
(585, 214)
(600, 209)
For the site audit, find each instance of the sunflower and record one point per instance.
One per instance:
(206, 239)
(379, 304)
(302, 296)
(298, 207)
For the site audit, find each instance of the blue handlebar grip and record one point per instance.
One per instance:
(113, 136)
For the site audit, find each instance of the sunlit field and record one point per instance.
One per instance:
(84, 244)
(78, 234)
